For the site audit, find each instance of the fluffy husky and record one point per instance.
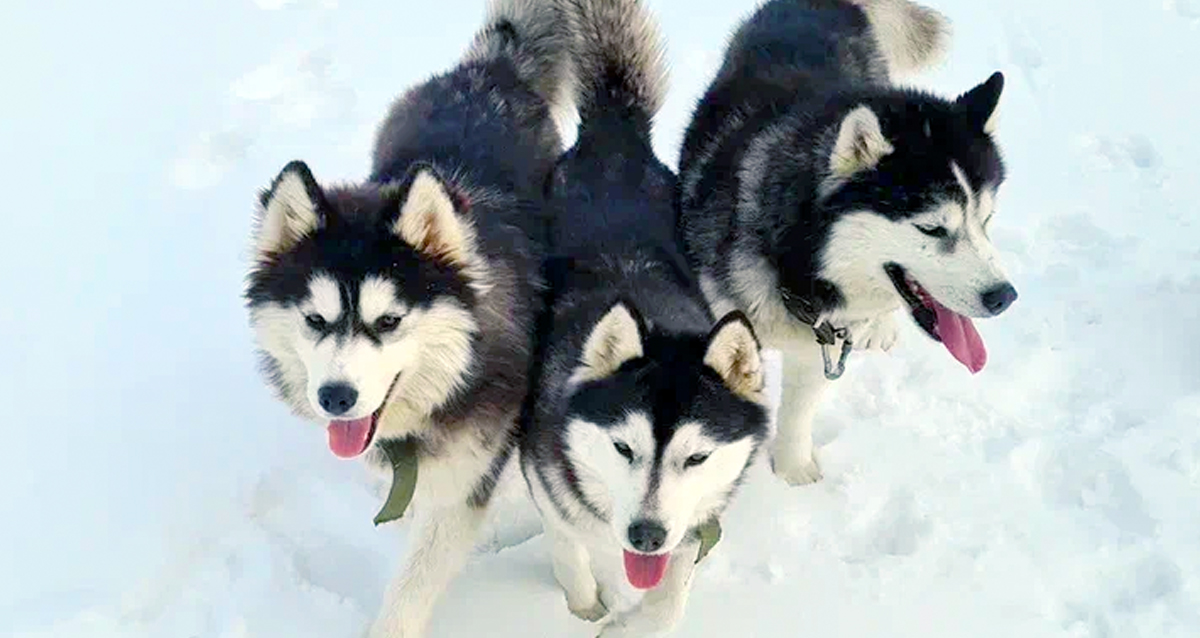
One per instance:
(402, 308)
(819, 198)
(646, 411)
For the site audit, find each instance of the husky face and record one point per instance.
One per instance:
(363, 297)
(661, 428)
(915, 181)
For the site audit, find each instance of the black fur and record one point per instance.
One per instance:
(791, 73)
(615, 241)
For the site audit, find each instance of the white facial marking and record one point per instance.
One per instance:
(688, 496)
(679, 498)
(325, 297)
(376, 297)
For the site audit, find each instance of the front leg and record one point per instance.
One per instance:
(573, 571)
(662, 607)
(438, 552)
(803, 386)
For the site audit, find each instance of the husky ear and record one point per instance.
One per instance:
(430, 221)
(734, 352)
(293, 207)
(979, 104)
(860, 143)
(615, 339)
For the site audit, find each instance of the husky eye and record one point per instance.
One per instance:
(694, 460)
(624, 450)
(316, 322)
(387, 323)
(934, 231)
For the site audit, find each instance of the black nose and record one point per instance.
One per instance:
(337, 398)
(998, 299)
(647, 536)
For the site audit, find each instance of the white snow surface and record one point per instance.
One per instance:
(152, 486)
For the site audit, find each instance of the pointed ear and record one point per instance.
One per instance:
(860, 143)
(430, 221)
(292, 207)
(614, 340)
(734, 352)
(979, 104)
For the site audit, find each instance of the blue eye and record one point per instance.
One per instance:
(694, 460)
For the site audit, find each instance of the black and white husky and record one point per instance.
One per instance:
(403, 308)
(647, 412)
(819, 198)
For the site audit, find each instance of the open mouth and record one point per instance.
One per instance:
(350, 438)
(645, 571)
(956, 332)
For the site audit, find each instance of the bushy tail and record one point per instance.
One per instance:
(619, 59)
(910, 36)
(535, 35)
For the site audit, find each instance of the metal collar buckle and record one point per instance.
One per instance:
(828, 336)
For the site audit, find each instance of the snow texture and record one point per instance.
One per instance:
(152, 487)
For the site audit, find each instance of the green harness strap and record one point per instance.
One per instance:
(403, 456)
(710, 535)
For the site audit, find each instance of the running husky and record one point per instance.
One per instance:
(646, 414)
(819, 198)
(401, 310)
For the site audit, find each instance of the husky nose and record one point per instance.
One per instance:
(998, 299)
(647, 536)
(337, 398)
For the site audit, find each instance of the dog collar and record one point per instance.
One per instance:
(402, 455)
(710, 535)
(828, 336)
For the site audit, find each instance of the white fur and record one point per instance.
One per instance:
(614, 340)
(588, 554)
(734, 354)
(427, 356)
(444, 533)
(910, 36)
(860, 244)
(860, 144)
(377, 297)
(289, 215)
(324, 298)
(429, 222)
(803, 386)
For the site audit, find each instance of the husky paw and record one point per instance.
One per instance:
(881, 333)
(594, 613)
(796, 469)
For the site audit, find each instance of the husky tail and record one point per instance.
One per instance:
(619, 61)
(911, 37)
(534, 36)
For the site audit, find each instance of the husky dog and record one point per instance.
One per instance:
(645, 414)
(820, 198)
(403, 308)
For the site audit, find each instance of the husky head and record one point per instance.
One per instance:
(913, 180)
(362, 297)
(661, 429)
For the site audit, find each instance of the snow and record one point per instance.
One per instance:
(152, 487)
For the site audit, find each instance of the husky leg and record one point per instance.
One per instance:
(444, 541)
(804, 384)
(662, 607)
(573, 571)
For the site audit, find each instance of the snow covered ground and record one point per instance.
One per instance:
(151, 486)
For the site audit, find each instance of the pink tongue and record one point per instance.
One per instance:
(960, 338)
(348, 439)
(645, 572)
